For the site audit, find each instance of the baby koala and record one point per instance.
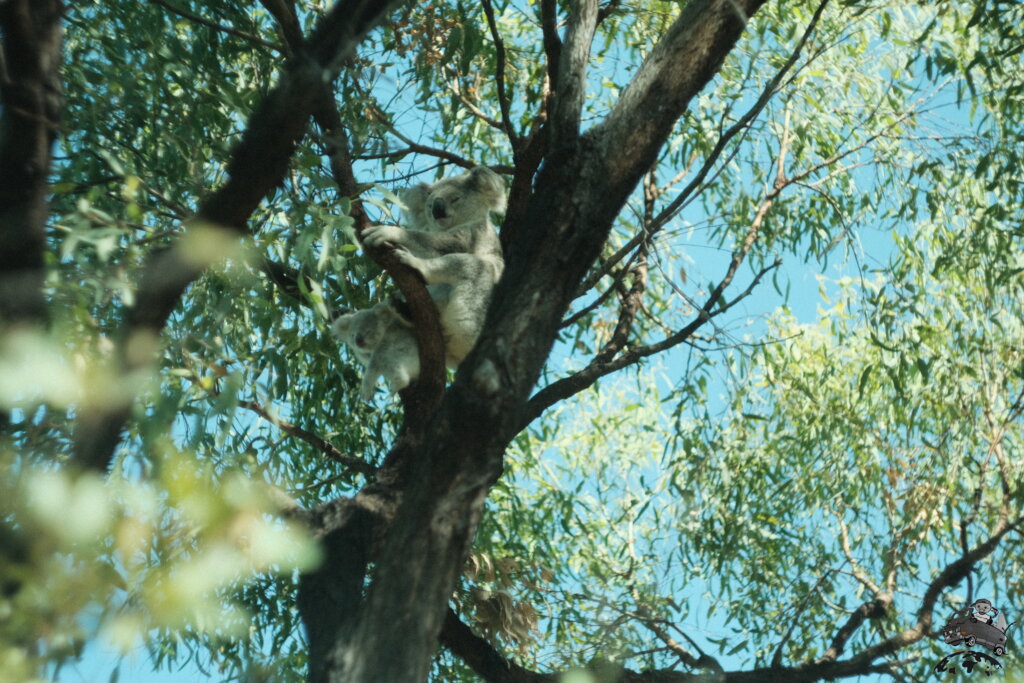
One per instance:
(453, 245)
(384, 344)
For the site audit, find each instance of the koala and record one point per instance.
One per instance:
(384, 344)
(453, 245)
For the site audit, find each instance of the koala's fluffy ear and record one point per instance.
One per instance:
(415, 200)
(490, 185)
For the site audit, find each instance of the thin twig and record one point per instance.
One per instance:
(453, 86)
(762, 101)
(219, 27)
(350, 461)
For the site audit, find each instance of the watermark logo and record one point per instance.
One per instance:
(978, 624)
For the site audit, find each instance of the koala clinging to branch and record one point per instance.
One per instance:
(384, 344)
(453, 245)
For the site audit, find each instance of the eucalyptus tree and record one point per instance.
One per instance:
(651, 491)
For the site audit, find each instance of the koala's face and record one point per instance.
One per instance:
(455, 201)
(363, 330)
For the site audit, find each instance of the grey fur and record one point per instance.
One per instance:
(453, 245)
(385, 345)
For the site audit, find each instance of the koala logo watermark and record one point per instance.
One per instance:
(977, 624)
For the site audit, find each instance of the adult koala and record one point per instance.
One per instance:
(453, 245)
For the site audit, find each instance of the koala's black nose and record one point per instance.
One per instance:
(438, 210)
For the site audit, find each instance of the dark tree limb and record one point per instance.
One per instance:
(873, 609)
(421, 398)
(493, 667)
(257, 165)
(30, 95)
(283, 12)
(573, 60)
(328, 596)
(953, 574)
(483, 658)
(552, 43)
(499, 76)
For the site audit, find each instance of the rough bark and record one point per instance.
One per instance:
(30, 102)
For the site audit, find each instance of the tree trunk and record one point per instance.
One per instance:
(30, 96)
(392, 634)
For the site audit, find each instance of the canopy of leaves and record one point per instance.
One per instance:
(734, 503)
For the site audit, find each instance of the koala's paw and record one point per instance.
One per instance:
(376, 235)
(399, 380)
(405, 257)
(368, 389)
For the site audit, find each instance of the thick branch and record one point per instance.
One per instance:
(953, 574)
(483, 658)
(30, 105)
(422, 397)
(552, 43)
(677, 68)
(283, 12)
(328, 596)
(492, 667)
(873, 609)
(257, 165)
(573, 60)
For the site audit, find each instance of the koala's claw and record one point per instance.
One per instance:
(403, 255)
(406, 258)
